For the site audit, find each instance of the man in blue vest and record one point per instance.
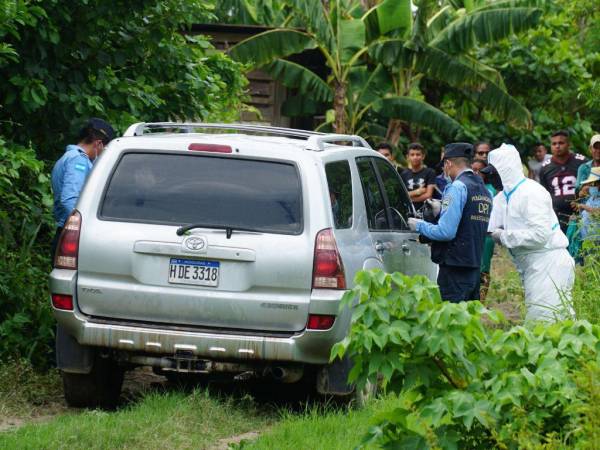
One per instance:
(458, 237)
(72, 169)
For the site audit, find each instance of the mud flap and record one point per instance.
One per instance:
(71, 356)
(332, 379)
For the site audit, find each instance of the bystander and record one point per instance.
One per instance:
(558, 176)
(584, 170)
(419, 179)
(539, 157)
(385, 149)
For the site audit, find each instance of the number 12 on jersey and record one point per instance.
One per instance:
(564, 185)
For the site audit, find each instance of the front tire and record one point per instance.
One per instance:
(101, 388)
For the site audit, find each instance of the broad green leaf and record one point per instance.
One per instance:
(434, 412)
(375, 363)
(351, 38)
(528, 376)
(317, 22)
(392, 53)
(419, 113)
(266, 47)
(439, 21)
(479, 82)
(485, 27)
(389, 15)
(512, 4)
(295, 76)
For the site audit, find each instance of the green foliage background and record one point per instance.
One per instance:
(553, 70)
(61, 62)
(124, 61)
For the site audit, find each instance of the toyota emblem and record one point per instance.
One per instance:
(194, 243)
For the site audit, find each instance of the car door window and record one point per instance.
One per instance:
(398, 200)
(376, 211)
(339, 182)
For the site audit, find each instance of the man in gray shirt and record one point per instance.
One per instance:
(540, 156)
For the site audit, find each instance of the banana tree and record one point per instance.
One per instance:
(437, 49)
(378, 59)
(337, 32)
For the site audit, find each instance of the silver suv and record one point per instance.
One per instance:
(226, 250)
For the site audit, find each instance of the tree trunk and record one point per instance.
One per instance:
(339, 106)
(394, 131)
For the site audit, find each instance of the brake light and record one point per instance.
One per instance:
(68, 243)
(320, 322)
(214, 148)
(60, 301)
(328, 270)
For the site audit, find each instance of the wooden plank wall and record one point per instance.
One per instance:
(266, 94)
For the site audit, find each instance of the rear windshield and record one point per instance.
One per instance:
(184, 189)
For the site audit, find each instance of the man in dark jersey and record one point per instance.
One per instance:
(419, 179)
(559, 175)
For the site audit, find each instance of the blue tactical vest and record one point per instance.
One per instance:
(466, 247)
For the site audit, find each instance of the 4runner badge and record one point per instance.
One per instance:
(195, 244)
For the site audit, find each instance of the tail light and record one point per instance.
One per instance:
(320, 321)
(60, 301)
(68, 243)
(328, 270)
(213, 148)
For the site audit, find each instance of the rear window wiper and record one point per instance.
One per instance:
(228, 230)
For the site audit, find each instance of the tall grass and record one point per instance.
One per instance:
(586, 291)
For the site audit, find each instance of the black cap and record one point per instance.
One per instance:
(488, 170)
(458, 150)
(102, 126)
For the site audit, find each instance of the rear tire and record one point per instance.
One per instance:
(101, 388)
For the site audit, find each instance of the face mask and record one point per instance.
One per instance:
(594, 191)
(96, 152)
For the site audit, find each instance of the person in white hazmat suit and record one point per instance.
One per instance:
(523, 221)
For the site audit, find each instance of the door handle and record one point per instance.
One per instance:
(379, 247)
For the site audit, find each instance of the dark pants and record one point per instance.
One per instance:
(55, 244)
(459, 284)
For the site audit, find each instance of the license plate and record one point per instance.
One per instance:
(191, 271)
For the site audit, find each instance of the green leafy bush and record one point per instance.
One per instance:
(25, 201)
(126, 61)
(461, 383)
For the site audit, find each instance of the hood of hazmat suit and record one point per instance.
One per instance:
(533, 237)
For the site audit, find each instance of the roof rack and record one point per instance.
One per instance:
(315, 141)
(137, 129)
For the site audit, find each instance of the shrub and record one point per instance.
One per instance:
(460, 383)
(25, 200)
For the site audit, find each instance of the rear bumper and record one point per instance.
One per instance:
(307, 346)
